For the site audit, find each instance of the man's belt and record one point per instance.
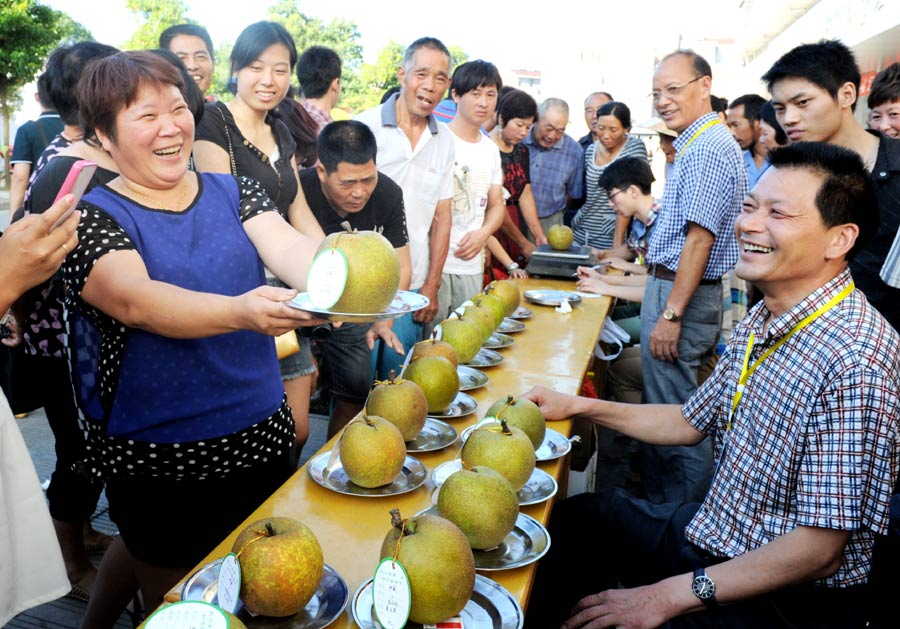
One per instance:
(662, 273)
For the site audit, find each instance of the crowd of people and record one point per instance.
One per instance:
(766, 470)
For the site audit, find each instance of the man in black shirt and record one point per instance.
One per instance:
(345, 186)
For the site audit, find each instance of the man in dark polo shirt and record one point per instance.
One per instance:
(345, 186)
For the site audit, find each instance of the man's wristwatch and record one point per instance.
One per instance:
(513, 266)
(670, 315)
(704, 589)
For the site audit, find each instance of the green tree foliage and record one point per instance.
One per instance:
(157, 16)
(457, 57)
(28, 32)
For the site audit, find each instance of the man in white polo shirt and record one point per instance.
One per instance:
(417, 152)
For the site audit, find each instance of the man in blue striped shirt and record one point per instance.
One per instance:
(691, 248)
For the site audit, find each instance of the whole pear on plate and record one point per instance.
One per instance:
(401, 402)
(482, 503)
(508, 292)
(504, 448)
(435, 347)
(372, 451)
(523, 414)
(464, 334)
(438, 561)
(438, 379)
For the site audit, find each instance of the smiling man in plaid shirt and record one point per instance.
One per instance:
(804, 414)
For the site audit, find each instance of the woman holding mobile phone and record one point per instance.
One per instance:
(246, 137)
(172, 325)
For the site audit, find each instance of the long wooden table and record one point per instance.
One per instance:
(554, 350)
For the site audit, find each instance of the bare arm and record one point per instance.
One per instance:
(620, 230)
(801, 556)
(618, 251)
(209, 157)
(299, 214)
(21, 171)
(665, 335)
(474, 241)
(659, 424)
(529, 213)
(630, 292)
(508, 227)
(499, 252)
(438, 247)
(284, 251)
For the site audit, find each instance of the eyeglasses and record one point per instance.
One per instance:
(672, 91)
(612, 196)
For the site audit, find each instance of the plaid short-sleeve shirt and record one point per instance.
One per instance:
(814, 441)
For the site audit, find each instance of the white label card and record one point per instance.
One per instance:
(391, 596)
(327, 278)
(192, 614)
(229, 585)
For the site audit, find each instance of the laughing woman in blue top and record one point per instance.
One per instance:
(174, 363)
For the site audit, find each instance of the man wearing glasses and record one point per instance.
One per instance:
(692, 248)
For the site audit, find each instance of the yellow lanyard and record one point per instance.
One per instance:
(746, 371)
(697, 135)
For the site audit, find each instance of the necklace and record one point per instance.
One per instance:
(157, 204)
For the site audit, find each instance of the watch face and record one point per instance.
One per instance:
(703, 587)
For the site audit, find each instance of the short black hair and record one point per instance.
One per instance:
(64, 68)
(847, 193)
(767, 114)
(516, 104)
(752, 104)
(192, 94)
(43, 97)
(254, 40)
(886, 86)
(348, 141)
(474, 74)
(625, 172)
(718, 103)
(317, 69)
(828, 63)
(617, 109)
(191, 30)
(700, 65)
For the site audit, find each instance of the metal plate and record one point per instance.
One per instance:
(554, 446)
(491, 607)
(463, 404)
(510, 326)
(335, 478)
(498, 340)
(525, 544)
(434, 435)
(328, 602)
(539, 487)
(485, 358)
(521, 313)
(471, 378)
(404, 302)
(550, 297)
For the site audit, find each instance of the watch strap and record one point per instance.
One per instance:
(706, 596)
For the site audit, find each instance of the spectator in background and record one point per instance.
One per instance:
(884, 101)
(771, 135)
(304, 129)
(592, 104)
(191, 43)
(319, 74)
(742, 119)
(557, 163)
(719, 106)
(31, 140)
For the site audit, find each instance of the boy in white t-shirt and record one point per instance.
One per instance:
(478, 207)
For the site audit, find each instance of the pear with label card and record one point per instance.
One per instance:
(370, 275)
(438, 561)
(281, 566)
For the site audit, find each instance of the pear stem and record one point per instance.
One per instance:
(269, 532)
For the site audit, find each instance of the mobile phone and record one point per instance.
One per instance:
(80, 175)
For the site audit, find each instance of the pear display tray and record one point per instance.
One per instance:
(539, 487)
(525, 544)
(521, 313)
(549, 297)
(498, 340)
(435, 435)
(411, 477)
(404, 302)
(471, 378)
(328, 602)
(463, 404)
(510, 326)
(485, 358)
(554, 445)
(490, 607)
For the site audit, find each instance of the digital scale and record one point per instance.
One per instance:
(549, 262)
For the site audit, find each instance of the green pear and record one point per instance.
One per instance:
(523, 414)
(464, 335)
(372, 451)
(483, 316)
(482, 503)
(560, 237)
(401, 402)
(508, 292)
(435, 347)
(494, 304)
(503, 448)
(438, 561)
(437, 378)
